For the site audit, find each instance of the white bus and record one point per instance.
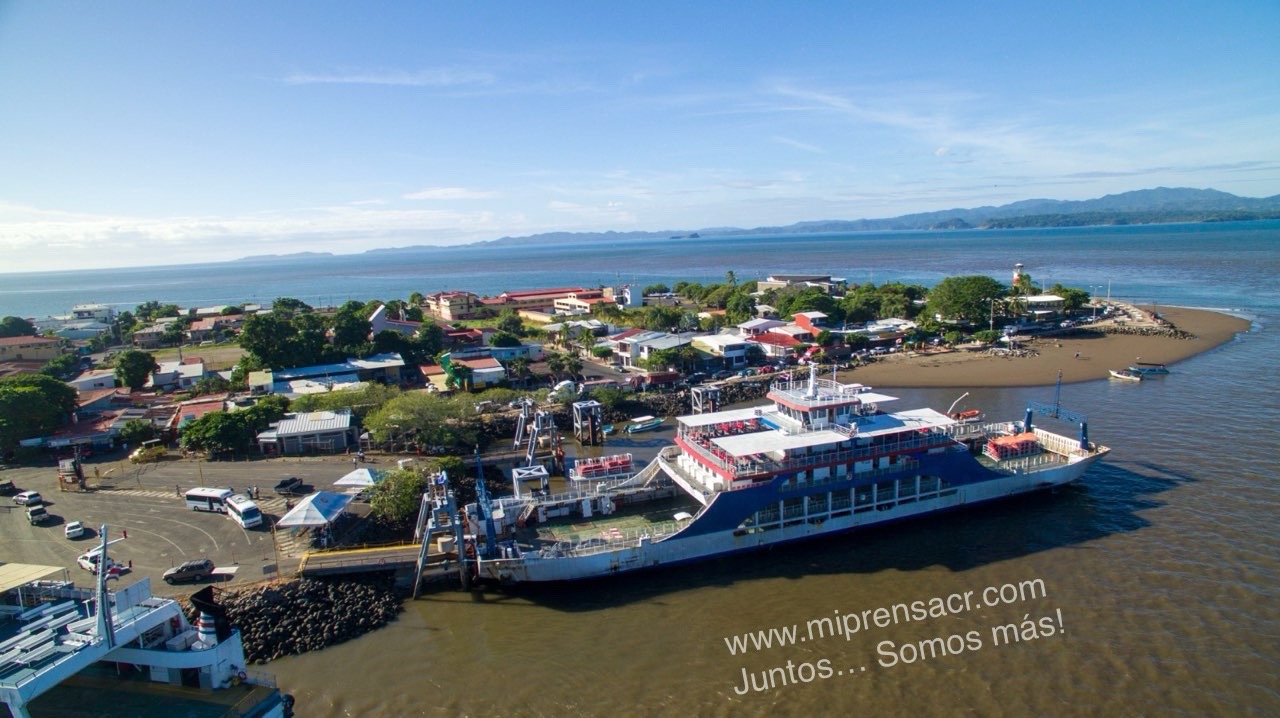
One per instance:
(243, 511)
(206, 499)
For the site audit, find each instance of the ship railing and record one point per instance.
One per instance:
(1026, 463)
(512, 502)
(613, 540)
(898, 468)
(1060, 444)
(744, 469)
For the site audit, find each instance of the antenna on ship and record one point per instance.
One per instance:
(1056, 411)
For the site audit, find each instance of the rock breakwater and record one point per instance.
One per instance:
(287, 617)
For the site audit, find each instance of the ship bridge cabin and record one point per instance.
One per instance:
(818, 432)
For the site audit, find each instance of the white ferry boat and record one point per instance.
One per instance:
(824, 458)
(128, 653)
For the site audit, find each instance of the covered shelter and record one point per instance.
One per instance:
(318, 509)
(360, 477)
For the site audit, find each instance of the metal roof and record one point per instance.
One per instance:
(314, 422)
(13, 575)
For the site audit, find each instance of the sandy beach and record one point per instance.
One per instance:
(1079, 357)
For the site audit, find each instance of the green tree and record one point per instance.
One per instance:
(351, 330)
(136, 431)
(288, 306)
(16, 327)
(656, 289)
(32, 405)
(740, 307)
(62, 367)
(134, 367)
(518, 369)
(397, 497)
(966, 298)
(504, 339)
(218, 432)
(510, 322)
(175, 332)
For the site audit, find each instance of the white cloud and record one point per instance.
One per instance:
(450, 193)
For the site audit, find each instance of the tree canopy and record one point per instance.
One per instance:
(134, 367)
(967, 298)
(32, 405)
(16, 327)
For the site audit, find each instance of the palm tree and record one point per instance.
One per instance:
(555, 363)
(573, 365)
(518, 369)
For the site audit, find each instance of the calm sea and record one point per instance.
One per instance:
(1201, 265)
(1160, 570)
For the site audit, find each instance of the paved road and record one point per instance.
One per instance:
(146, 503)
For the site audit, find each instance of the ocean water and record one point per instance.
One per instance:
(1158, 572)
(1215, 265)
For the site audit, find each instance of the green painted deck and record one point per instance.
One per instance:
(576, 528)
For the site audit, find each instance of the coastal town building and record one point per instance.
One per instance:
(41, 349)
(152, 337)
(85, 321)
(380, 322)
(730, 350)
(452, 306)
(541, 299)
(323, 432)
(180, 374)
(835, 286)
(94, 379)
(381, 368)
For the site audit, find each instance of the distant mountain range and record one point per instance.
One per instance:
(1148, 206)
(1161, 205)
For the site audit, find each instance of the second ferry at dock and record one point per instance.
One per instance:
(822, 459)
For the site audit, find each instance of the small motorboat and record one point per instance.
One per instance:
(643, 423)
(1125, 374)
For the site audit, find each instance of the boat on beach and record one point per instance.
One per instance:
(823, 458)
(643, 423)
(1148, 368)
(1125, 374)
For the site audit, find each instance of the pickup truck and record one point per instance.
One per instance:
(291, 486)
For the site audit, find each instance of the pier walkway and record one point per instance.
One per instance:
(400, 557)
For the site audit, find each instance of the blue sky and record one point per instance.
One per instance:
(158, 133)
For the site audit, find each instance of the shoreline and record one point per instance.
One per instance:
(1080, 358)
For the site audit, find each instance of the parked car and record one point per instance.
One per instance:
(89, 562)
(289, 486)
(28, 498)
(73, 529)
(37, 515)
(7, 488)
(695, 378)
(722, 374)
(194, 570)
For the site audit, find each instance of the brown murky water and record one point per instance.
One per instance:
(1149, 589)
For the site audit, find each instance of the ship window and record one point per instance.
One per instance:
(862, 495)
(884, 491)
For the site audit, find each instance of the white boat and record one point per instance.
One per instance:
(72, 652)
(1125, 374)
(823, 459)
(643, 423)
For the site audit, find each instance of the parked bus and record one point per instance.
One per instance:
(206, 499)
(243, 511)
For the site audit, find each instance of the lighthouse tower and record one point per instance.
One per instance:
(1017, 273)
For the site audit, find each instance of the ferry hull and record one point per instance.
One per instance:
(690, 546)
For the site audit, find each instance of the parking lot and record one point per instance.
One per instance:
(146, 503)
